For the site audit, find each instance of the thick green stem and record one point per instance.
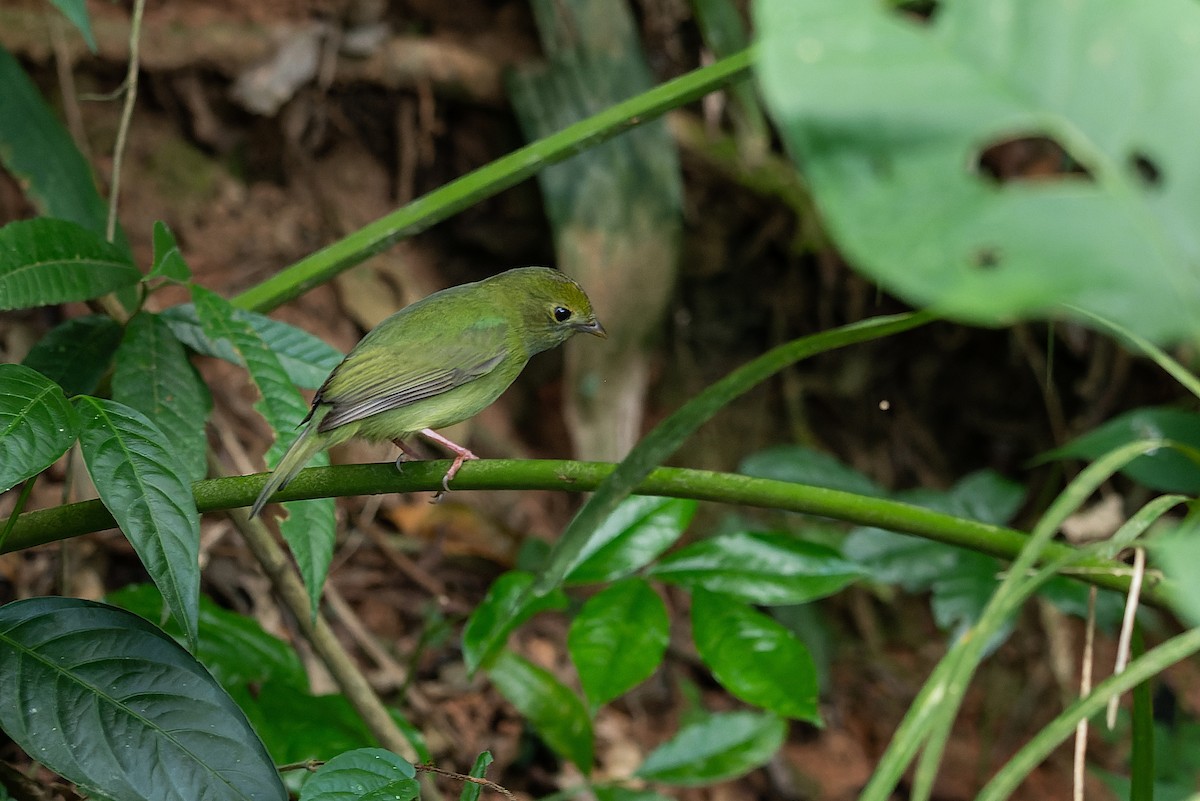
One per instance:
(35, 528)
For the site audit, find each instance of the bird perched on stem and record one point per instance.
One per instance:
(438, 362)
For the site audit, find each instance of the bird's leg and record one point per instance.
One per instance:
(461, 455)
(405, 452)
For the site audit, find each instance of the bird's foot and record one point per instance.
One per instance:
(461, 455)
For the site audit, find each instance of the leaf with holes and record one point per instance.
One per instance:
(37, 424)
(904, 128)
(108, 701)
(143, 484)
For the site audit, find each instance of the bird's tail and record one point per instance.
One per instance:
(297, 456)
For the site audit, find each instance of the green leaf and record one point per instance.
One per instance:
(1177, 552)
(154, 376)
(144, 486)
(508, 604)
(306, 359)
(47, 261)
(801, 465)
(77, 353)
(626, 794)
(168, 261)
(618, 639)
(1165, 470)
(760, 568)
(309, 526)
(470, 790)
(233, 647)
(891, 154)
(368, 774)
(40, 154)
(37, 424)
(296, 725)
(555, 713)
(76, 12)
(718, 747)
(112, 704)
(754, 657)
(634, 535)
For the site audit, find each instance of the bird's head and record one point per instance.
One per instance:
(553, 308)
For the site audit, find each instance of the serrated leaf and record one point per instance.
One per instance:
(168, 261)
(618, 639)
(470, 790)
(508, 604)
(368, 774)
(111, 703)
(47, 261)
(309, 526)
(892, 155)
(144, 486)
(760, 568)
(717, 747)
(153, 375)
(307, 359)
(635, 534)
(1165, 470)
(754, 657)
(556, 713)
(801, 465)
(77, 353)
(233, 647)
(40, 154)
(37, 424)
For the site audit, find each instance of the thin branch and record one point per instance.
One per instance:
(131, 86)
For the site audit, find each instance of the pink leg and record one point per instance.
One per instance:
(461, 455)
(405, 452)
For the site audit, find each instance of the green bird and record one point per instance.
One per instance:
(438, 362)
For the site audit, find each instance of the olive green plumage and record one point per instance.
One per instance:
(438, 362)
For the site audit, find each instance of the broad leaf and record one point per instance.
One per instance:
(306, 359)
(802, 465)
(47, 261)
(618, 639)
(77, 353)
(760, 568)
(111, 703)
(369, 774)
(890, 114)
(1165, 470)
(37, 424)
(309, 527)
(145, 488)
(168, 261)
(1176, 553)
(154, 376)
(555, 713)
(717, 747)
(635, 533)
(508, 604)
(754, 657)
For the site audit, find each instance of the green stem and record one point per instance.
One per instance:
(489, 180)
(61, 522)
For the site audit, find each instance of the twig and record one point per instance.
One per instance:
(1085, 688)
(131, 84)
(462, 777)
(1127, 624)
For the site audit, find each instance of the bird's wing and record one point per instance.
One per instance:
(381, 378)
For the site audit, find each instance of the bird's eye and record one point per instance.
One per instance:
(562, 314)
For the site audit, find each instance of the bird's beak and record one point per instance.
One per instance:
(594, 328)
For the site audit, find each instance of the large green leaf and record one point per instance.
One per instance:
(47, 261)
(754, 657)
(307, 359)
(154, 376)
(888, 114)
(111, 703)
(37, 424)
(144, 486)
(635, 533)
(618, 639)
(555, 713)
(371, 774)
(760, 568)
(508, 604)
(716, 747)
(309, 526)
(77, 353)
(38, 151)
